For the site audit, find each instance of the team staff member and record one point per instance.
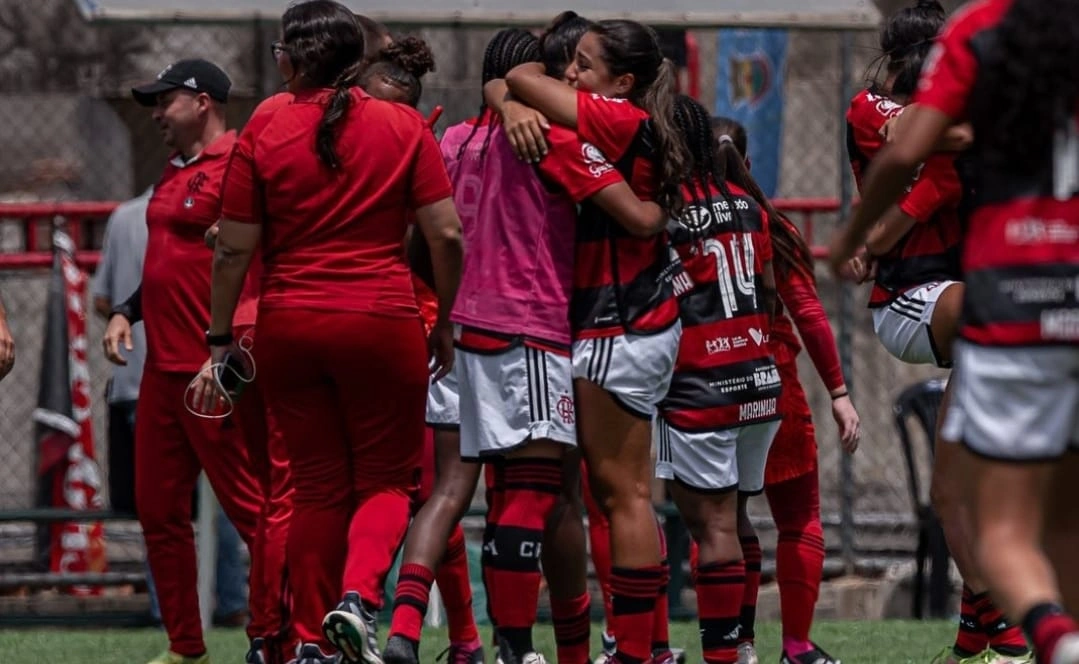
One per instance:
(333, 176)
(171, 444)
(1010, 66)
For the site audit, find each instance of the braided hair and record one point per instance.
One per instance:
(704, 172)
(790, 249)
(403, 63)
(1028, 84)
(507, 49)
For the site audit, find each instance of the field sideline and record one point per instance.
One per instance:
(879, 642)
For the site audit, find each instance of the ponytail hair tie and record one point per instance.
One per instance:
(724, 138)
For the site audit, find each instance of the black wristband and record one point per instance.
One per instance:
(842, 394)
(218, 339)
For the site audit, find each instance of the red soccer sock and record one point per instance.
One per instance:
(456, 589)
(511, 554)
(1045, 624)
(751, 552)
(795, 506)
(719, 605)
(410, 601)
(633, 601)
(572, 628)
(1004, 637)
(374, 537)
(970, 639)
(661, 626)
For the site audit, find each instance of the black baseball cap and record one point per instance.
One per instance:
(194, 75)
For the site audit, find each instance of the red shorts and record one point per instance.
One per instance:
(794, 449)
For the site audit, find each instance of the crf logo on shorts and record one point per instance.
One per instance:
(565, 409)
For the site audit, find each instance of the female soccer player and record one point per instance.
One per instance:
(916, 300)
(1010, 67)
(624, 315)
(341, 345)
(790, 480)
(395, 74)
(717, 421)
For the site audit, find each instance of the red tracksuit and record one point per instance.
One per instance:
(171, 444)
(341, 349)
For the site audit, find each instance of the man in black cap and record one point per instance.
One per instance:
(172, 443)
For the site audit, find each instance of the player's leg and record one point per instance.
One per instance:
(618, 383)
(517, 404)
(166, 471)
(702, 474)
(381, 390)
(1014, 411)
(599, 543)
(425, 545)
(564, 565)
(752, 447)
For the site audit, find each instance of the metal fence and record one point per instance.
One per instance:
(71, 132)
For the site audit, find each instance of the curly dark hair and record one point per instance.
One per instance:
(1028, 83)
(403, 63)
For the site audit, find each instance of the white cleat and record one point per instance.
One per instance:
(747, 654)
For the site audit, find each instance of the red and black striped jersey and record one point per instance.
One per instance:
(725, 375)
(621, 283)
(1020, 255)
(930, 250)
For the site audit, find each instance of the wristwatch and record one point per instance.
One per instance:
(218, 339)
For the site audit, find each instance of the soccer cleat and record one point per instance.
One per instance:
(814, 656)
(169, 657)
(610, 647)
(1067, 650)
(353, 630)
(256, 654)
(679, 655)
(400, 650)
(310, 653)
(948, 656)
(994, 657)
(747, 654)
(456, 654)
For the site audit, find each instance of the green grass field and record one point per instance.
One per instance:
(885, 642)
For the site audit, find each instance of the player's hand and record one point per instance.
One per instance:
(843, 247)
(7, 349)
(206, 394)
(440, 345)
(211, 235)
(525, 128)
(118, 333)
(850, 426)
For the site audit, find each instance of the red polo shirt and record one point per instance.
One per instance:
(176, 274)
(332, 239)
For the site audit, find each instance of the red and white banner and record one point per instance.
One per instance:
(69, 476)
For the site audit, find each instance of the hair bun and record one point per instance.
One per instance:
(930, 5)
(412, 54)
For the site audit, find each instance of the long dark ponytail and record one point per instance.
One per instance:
(789, 247)
(632, 48)
(1028, 84)
(324, 42)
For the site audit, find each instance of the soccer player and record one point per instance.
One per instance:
(1009, 67)
(717, 421)
(624, 314)
(333, 175)
(172, 444)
